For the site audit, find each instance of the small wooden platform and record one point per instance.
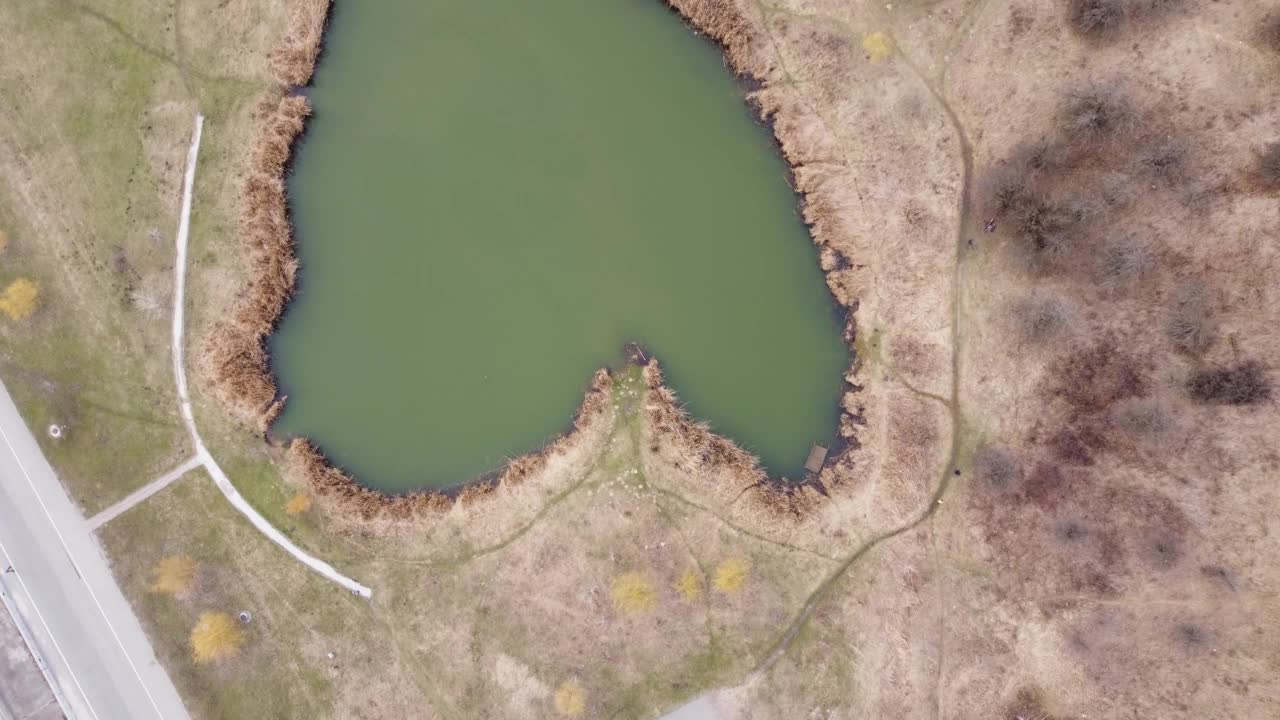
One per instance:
(817, 458)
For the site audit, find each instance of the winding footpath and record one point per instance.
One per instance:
(203, 457)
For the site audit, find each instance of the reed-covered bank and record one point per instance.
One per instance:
(237, 364)
(357, 507)
(234, 359)
(235, 356)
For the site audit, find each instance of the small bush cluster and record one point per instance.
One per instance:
(20, 299)
(570, 699)
(1141, 416)
(216, 637)
(298, 504)
(730, 576)
(1164, 161)
(1093, 379)
(1048, 227)
(1104, 19)
(1094, 112)
(1269, 167)
(1039, 319)
(1052, 194)
(1269, 32)
(997, 468)
(1190, 331)
(1096, 18)
(174, 575)
(1190, 326)
(1124, 259)
(633, 593)
(690, 585)
(1243, 384)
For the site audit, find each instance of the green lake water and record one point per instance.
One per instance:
(494, 197)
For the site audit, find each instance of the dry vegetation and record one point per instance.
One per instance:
(20, 299)
(1055, 493)
(1099, 549)
(174, 576)
(571, 699)
(235, 358)
(298, 504)
(216, 637)
(92, 135)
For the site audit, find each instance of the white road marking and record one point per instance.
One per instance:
(89, 587)
(9, 562)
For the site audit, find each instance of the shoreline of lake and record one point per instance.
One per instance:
(241, 371)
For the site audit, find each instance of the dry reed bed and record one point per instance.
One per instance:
(747, 53)
(237, 366)
(235, 358)
(294, 60)
(364, 509)
(715, 457)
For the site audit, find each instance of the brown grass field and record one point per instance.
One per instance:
(1057, 222)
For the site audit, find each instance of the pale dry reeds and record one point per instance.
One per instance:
(373, 510)
(235, 358)
(294, 60)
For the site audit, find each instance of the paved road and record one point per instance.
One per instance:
(95, 652)
(24, 694)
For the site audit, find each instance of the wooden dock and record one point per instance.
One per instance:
(817, 458)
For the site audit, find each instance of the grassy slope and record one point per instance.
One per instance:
(237, 570)
(489, 633)
(90, 182)
(87, 194)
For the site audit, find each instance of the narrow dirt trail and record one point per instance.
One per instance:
(952, 403)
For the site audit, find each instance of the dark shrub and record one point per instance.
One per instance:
(1164, 161)
(1159, 6)
(1096, 18)
(1190, 325)
(1190, 330)
(1092, 113)
(1191, 635)
(1039, 319)
(1165, 551)
(1243, 384)
(1124, 259)
(1071, 531)
(1269, 32)
(1269, 167)
(997, 468)
(1046, 226)
(1008, 191)
(1140, 416)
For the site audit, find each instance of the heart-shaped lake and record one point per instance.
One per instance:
(492, 198)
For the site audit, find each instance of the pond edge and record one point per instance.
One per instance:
(236, 365)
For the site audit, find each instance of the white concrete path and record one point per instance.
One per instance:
(180, 376)
(701, 708)
(141, 494)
